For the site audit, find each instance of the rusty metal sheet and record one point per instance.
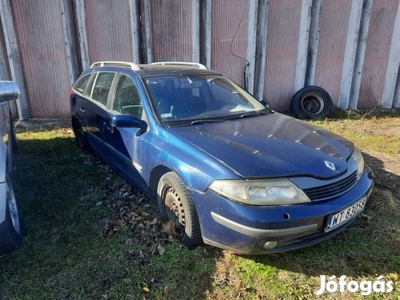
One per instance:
(172, 30)
(227, 49)
(332, 45)
(109, 33)
(4, 70)
(44, 60)
(48, 42)
(282, 47)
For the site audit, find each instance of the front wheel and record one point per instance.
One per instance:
(10, 229)
(176, 205)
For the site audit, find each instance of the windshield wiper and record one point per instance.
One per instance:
(200, 121)
(253, 114)
(230, 117)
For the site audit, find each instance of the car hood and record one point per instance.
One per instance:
(270, 146)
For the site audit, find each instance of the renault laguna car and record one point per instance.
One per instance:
(224, 169)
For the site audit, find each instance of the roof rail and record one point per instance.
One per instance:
(132, 65)
(181, 63)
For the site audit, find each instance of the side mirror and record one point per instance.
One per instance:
(129, 121)
(9, 90)
(266, 103)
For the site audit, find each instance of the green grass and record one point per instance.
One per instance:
(379, 134)
(89, 235)
(72, 246)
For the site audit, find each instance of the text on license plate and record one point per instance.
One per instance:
(346, 214)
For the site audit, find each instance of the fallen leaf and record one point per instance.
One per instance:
(169, 227)
(237, 284)
(161, 250)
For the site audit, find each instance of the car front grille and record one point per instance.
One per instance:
(331, 190)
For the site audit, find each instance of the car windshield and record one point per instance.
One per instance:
(190, 99)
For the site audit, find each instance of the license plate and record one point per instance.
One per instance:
(345, 215)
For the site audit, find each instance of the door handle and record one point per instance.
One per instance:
(81, 109)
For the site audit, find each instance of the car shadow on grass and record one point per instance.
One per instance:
(90, 235)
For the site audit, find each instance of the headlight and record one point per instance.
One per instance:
(358, 158)
(260, 192)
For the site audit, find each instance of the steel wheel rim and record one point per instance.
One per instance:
(174, 209)
(312, 104)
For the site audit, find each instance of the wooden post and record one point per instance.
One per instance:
(81, 30)
(251, 45)
(261, 53)
(148, 31)
(360, 56)
(207, 17)
(135, 26)
(302, 48)
(13, 57)
(313, 42)
(350, 53)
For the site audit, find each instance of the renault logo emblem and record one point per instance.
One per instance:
(330, 165)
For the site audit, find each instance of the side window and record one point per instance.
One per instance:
(127, 100)
(81, 84)
(102, 87)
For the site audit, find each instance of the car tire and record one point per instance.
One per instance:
(311, 102)
(10, 229)
(80, 136)
(176, 204)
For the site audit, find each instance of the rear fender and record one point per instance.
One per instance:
(3, 201)
(3, 161)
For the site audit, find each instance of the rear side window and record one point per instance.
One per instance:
(81, 84)
(102, 87)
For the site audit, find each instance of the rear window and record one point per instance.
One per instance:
(102, 87)
(81, 84)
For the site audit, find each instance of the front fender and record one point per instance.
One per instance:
(195, 167)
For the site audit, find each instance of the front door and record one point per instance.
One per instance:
(124, 141)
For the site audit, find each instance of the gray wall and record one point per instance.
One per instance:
(272, 47)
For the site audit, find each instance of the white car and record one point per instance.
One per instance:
(10, 229)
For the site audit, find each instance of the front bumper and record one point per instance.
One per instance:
(259, 230)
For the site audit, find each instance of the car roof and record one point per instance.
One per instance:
(153, 69)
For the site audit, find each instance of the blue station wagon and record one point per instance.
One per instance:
(224, 168)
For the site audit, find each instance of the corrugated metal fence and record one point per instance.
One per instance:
(272, 47)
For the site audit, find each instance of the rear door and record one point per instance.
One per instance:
(95, 117)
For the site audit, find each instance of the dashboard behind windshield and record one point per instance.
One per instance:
(184, 98)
